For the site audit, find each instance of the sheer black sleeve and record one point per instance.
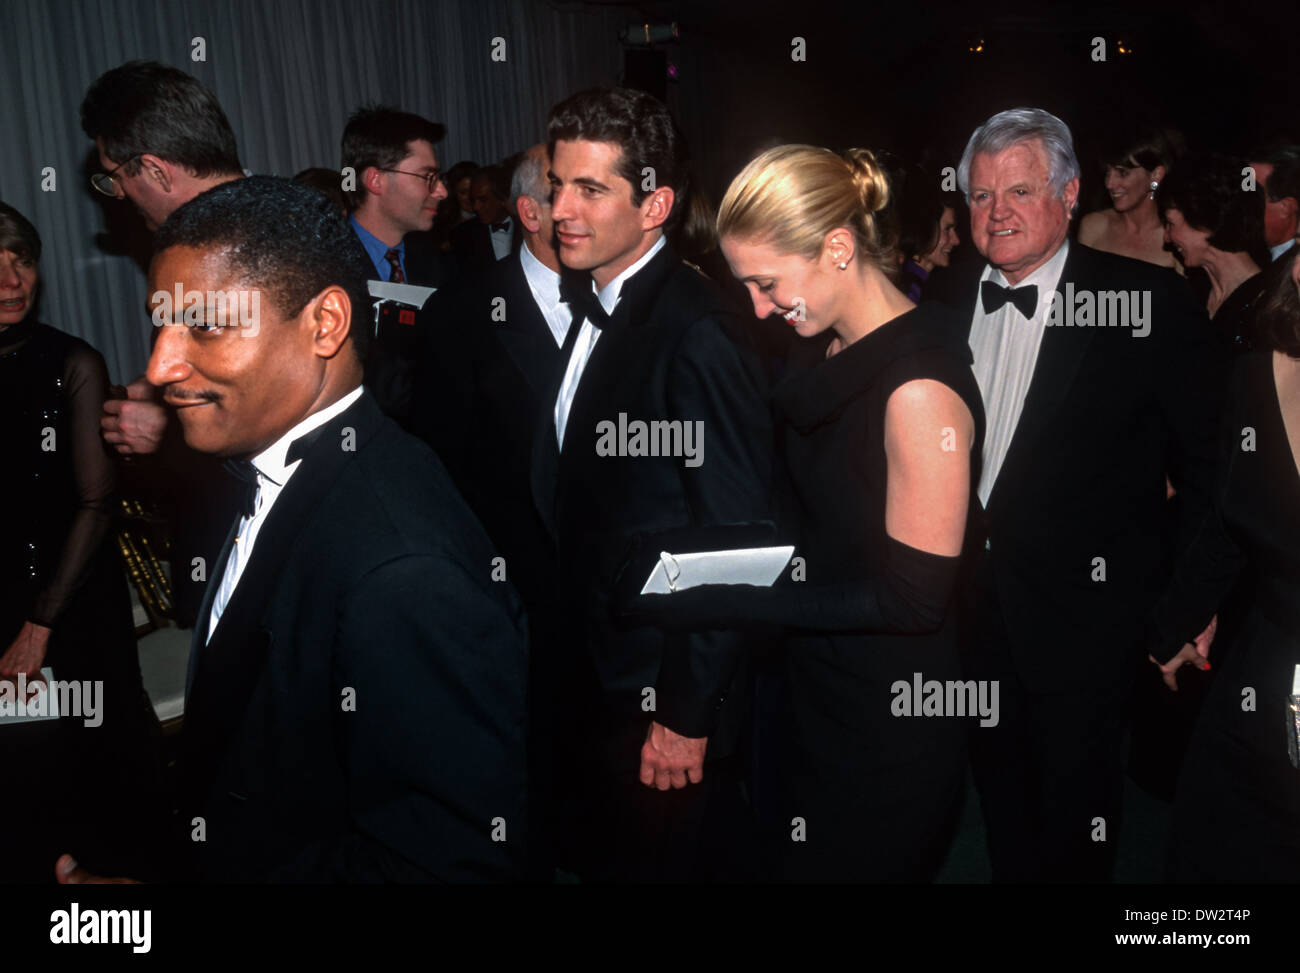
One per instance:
(85, 383)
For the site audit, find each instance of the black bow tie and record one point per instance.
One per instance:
(582, 301)
(995, 295)
(501, 227)
(246, 473)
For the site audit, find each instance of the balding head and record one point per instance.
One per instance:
(530, 199)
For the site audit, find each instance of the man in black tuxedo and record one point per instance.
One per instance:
(355, 700)
(651, 341)
(494, 235)
(490, 354)
(390, 154)
(1086, 416)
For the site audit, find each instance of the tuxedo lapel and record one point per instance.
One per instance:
(546, 448)
(524, 335)
(1059, 357)
(199, 637)
(618, 352)
(228, 667)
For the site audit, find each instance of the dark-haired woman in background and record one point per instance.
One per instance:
(1131, 227)
(881, 431)
(1212, 224)
(79, 782)
(1237, 811)
(927, 233)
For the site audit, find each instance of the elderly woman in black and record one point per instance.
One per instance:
(63, 598)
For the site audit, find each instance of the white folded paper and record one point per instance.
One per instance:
(383, 290)
(26, 701)
(752, 565)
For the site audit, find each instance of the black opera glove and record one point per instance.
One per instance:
(909, 595)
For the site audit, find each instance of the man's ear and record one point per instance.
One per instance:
(529, 213)
(656, 208)
(373, 180)
(158, 171)
(329, 316)
(1070, 194)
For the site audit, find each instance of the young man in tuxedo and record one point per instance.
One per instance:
(355, 699)
(489, 356)
(648, 719)
(1085, 419)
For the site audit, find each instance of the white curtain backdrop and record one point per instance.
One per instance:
(288, 73)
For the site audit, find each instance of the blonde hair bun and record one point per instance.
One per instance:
(868, 178)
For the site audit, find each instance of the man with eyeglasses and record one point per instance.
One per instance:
(389, 154)
(161, 137)
(398, 188)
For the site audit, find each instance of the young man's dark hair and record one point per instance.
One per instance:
(378, 136)
(639, 125)
(282, 237)
(144, 106)
(1206, 189)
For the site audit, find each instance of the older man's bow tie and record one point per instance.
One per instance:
(995, 295)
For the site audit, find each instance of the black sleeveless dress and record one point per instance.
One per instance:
(1237, 809)
(88, 784)
(876, 792)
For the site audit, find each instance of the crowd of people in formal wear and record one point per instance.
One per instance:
(415, 569)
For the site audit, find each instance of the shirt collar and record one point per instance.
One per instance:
(1281, 248)
(1044, 278)
(270, 462)
(544, 281)
(609, 294)
(377, 248)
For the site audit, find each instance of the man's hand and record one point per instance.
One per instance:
(134, 425)
(68, 872)
(1193, 653)
(670, 760)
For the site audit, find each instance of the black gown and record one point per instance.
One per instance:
(83, 789)
(1237, 809)
(877, 792)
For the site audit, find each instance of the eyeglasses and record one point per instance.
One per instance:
(103, 181)
(431, 179)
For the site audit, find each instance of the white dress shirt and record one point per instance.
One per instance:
(1005, 345)
(545, 285)
(1281, 248)
(587, 338)
(272, 475)
(502, 239)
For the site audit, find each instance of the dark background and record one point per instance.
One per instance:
(903, 76)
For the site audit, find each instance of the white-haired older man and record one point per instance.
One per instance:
(1098, 380)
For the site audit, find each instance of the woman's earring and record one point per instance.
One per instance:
(1154, 186)
(843, 265)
